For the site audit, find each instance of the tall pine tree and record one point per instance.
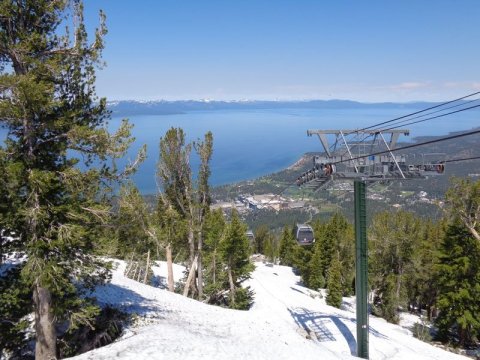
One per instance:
(287, 247)
(334, 283)
(215, 279)
(393, 239)
(458, 283)
(179, 191)
(49, 108)
(235, 252)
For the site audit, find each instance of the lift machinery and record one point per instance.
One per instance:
(365, 156)
(372, 159)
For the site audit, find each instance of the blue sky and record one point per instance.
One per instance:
(289, 49)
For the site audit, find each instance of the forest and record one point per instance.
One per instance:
(67, 208)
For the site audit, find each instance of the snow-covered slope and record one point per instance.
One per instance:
(286, 322)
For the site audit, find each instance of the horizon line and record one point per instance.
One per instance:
(210, 100)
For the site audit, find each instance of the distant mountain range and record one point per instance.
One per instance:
(162, 107)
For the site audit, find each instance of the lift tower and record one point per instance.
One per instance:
(364, 156)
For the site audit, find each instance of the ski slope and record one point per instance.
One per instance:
(287, 321)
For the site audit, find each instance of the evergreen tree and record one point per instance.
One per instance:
(271, 248)
(190, 201)
(132, 223)
(346, 251)
(49, 108)
(235, 255)
(315, 280)
(287, 247)
(175, 176)
(172, 235)
(392, 242)
(386, 300)
(421, 288)
(214, 233)
(333, 237)
(329, 240)
(334, 283)
(458, 283)
(463, 204)
(204, 149)
(138, 235)
(262, 236)
(302, 255)
(15, 305)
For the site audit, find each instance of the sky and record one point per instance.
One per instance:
(370, 51)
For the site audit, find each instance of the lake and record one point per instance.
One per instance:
(252, 143)
(249, 144)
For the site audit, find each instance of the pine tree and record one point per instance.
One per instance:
(132, 223)
(458, 283)
(235, 251)
(172, 230)
(302, 255)
(346, 251)
(262, 236)
(315, 280)
(49, 108)
(139, 235)
(393, 239)
(271, 248)
(333, 231)
(179, 191)
(15, 305)
(287, 247)
(334, 283)
(386, 301)
(204, 149)
(420, 284)
(463, 204)
(214, 233)
(175, 176)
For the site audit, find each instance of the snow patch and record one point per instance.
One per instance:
(285, 322)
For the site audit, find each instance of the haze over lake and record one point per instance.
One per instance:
(252, 143)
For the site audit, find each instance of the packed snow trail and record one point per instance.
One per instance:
(183, 328)
(280, 295)
(285, 322)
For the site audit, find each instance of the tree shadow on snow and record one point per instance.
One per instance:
(159, 282)
(127, 300)
(298, 290)
(317, 323)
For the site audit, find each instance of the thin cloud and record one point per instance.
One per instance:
(466, 85)
(410, 85)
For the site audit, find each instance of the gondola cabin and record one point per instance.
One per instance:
(304, 234)
(250, 236)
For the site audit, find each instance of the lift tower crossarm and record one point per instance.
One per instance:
(349, 152)
(393, 156)
(395, 133)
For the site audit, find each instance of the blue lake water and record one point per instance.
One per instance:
(248, 144)
(252, 143)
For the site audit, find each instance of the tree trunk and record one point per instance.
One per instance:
(193, 256)
(190, 277)
(135, 271)
(398, 284)
(232, 286)
(170, 281)
(199, 267)
(147, 267)
(46, 337)
(191, 243)
(130, 265)
(473, 231)
(215, 266)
